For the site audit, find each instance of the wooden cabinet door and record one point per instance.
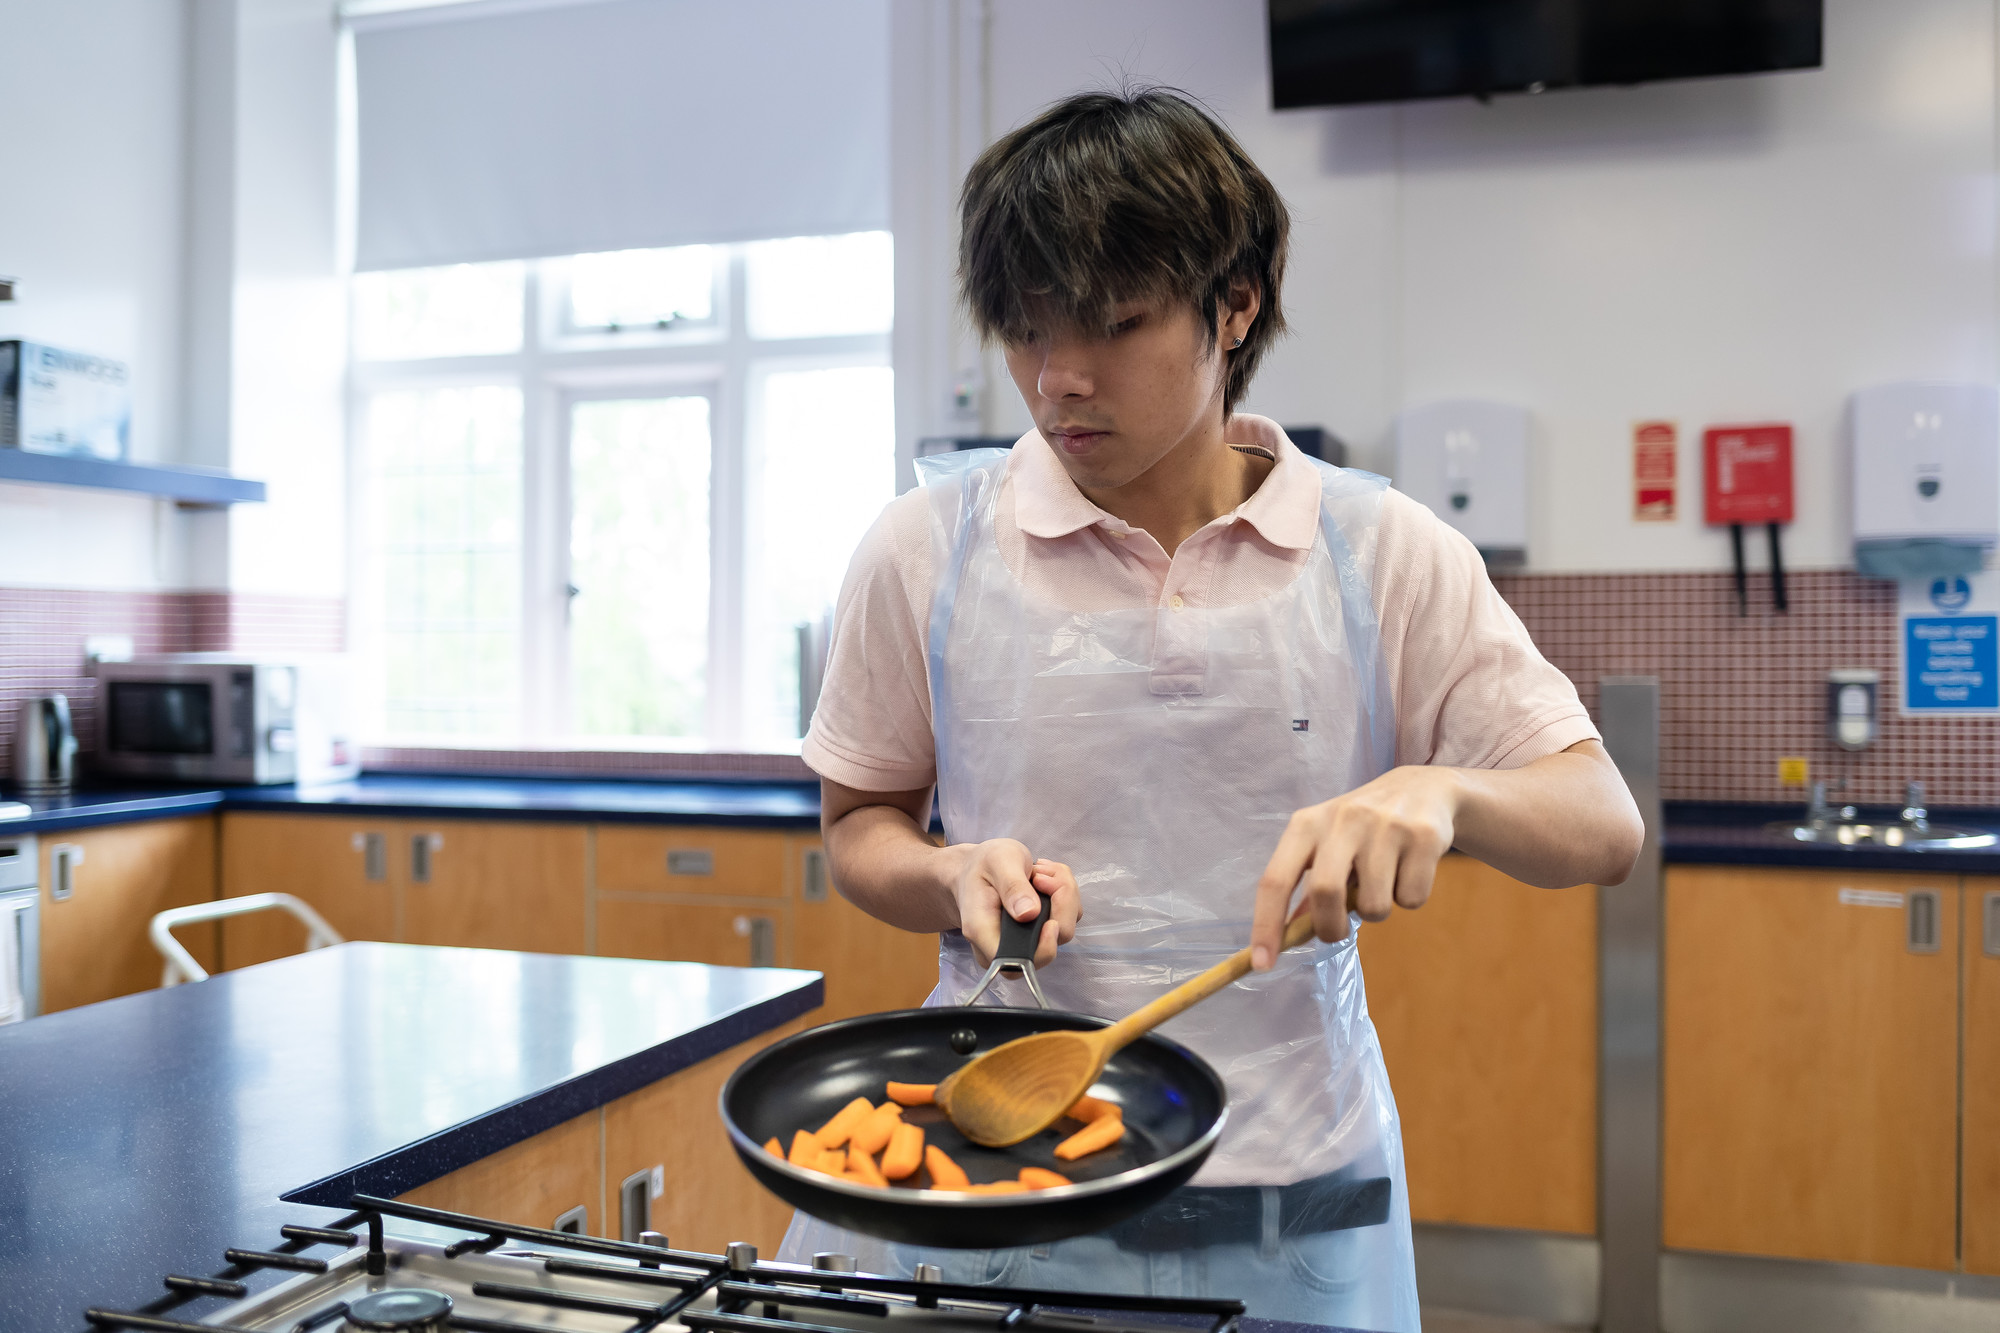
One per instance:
(491, 884)
(324, 860)
(731, 934)
(1980, 1198)
(94, 941)
(1810, 1066)
(532, 1183)
(870, 966)
(708, 1199)
(1485, 1001)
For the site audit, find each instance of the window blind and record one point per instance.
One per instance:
(512, 131)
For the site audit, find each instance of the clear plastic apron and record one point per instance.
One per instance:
(1159, 754)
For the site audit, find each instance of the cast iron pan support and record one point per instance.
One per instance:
(1016, 954)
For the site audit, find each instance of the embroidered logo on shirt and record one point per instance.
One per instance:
(1300, 723)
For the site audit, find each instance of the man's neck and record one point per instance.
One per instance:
(1197, 482)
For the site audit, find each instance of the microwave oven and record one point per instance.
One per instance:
(211, 717)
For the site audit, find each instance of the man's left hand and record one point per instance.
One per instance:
(1373, 850)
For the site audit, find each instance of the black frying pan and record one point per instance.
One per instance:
(1173, 1103)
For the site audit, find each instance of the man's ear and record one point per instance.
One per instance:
(1238, 311)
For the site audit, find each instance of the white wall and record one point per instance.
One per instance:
(91, 172)
(1707, 251)
(167, 197)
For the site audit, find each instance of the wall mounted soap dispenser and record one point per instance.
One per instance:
(1467, 459)
(1850, 707)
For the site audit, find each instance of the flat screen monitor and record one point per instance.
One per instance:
(1341, 52)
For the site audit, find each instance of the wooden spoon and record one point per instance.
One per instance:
(1021, 1088)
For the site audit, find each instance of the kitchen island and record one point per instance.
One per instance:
(145, 1135)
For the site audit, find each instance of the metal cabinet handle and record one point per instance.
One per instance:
(423, 847)
(1989, 918)
(64, 858)
(1921, 921)
(816, 880)
(374, 849)
(762, 933)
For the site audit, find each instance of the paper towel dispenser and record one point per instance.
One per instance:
(1468, 460)
(1926, 478)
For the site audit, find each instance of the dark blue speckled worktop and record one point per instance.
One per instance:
(1696, 833)
(142, 1136)
(762, 803)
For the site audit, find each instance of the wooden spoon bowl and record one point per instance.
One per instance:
(1017, 1090)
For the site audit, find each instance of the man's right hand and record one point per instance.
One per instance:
(1002, 875)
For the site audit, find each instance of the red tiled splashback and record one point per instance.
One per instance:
(42, 632)
(1738, 692)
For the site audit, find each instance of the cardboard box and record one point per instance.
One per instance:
(58, 402)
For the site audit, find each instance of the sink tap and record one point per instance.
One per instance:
(1914, 813)
(1818, 812)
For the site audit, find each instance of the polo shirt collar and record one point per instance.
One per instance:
(1284, 510)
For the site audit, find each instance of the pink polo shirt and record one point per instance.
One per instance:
(1469, 688)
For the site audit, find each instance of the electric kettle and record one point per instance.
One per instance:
(44, 747)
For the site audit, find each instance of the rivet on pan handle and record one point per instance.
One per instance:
(1016, 954)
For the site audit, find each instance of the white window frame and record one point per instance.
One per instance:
(556, 368)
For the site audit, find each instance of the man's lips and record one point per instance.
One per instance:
(1078, 440)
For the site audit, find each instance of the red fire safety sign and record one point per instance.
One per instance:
(1748, 474)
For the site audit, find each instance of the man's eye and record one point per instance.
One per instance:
(1125, 325)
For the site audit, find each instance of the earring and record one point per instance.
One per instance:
(1239, 343)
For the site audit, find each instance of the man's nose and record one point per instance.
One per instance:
(1066, 371)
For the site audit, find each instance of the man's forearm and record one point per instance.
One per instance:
(1564, 819)
(889, 868)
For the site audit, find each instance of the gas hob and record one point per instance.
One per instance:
(506, 1279)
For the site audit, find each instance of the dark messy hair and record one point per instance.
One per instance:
(1109, 197)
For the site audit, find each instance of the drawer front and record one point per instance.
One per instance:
(748, 863)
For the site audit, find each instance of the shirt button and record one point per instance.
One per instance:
(1176, 603)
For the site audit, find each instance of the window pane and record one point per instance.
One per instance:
(826, 466)
(816, 286)
(462, 310)
(642, 288)
(444, 550)
(639, 559)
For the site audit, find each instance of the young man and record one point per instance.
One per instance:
(1160, 665)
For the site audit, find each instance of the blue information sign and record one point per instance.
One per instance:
(1951, 648)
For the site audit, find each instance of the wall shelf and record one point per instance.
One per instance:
(192, 488)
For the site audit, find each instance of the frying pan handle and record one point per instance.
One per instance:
(1019, 938)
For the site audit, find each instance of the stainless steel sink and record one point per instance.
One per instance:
(1858, 833)
(1838, 826)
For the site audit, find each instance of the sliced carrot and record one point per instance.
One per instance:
(861, 1164)
(1096, 1135)
(775, 1148)
(1041, 1178)
(996, 1187)
(833, 1161)
(859, 1178)
(945, 1173)
(805, 1150)
(913, 1094)
(836, 1131)
(1088, 1109)
(872, 1134)
(905, 1152)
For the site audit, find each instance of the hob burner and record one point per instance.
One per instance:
(404, 1310)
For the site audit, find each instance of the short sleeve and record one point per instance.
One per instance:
(1471, 689)
(872, 728)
